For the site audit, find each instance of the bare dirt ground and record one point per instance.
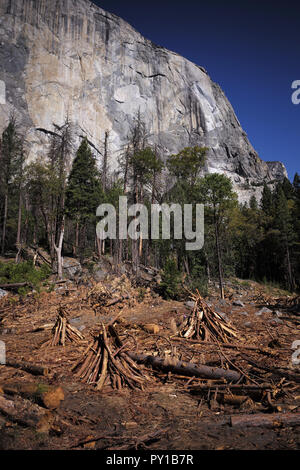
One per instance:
(170, 413)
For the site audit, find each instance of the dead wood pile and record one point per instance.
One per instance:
(276, 302)
(114, 290)
(206, 324)
(106, 362)
(213, 361)
(63, 331)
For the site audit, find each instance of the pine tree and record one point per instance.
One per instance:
(286, 234)
(84, 191)
(267, 200)
(253, 203)
(217, 194)
(11, 159)
(296, 225)
(296, 184)
(186, 165)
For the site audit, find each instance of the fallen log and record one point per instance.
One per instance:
(273, 420)
(235, 400)
(231, 387)
(265, 350)
(45, 260)
(117, 300)
(232, 394)
(142, 441)
(15, 286)
(94, 439)
(46, 395)
(120, 441)
(182, 368)
(47, 326)
(25, 413)
(286, 373)
(31, 369)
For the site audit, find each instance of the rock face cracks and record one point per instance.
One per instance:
(70, 58)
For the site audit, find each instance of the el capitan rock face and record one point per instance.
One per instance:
(69, 57)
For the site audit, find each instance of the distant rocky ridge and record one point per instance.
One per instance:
(70, 57)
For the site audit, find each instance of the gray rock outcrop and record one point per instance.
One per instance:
(3, 293)
(70, 57)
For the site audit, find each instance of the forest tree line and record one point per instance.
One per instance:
(51, 202)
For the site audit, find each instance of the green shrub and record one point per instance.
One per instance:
(171, 284)
(141, 294)
(11, 273)
(199, 280)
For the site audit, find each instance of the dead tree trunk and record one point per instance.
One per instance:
(27, 414)
(45, 395)
(30, 368)
(18, 242)
(58, 250)
(272, 420)
(182, 368)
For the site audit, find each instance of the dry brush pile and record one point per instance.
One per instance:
(213, 360)
(106, 362)
(63, 331)
(115, 290)
(205, 324)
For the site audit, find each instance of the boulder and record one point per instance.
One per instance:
(3, 293)
(102, 268)
(262, 311)
(278, 314)
(71, 267)
(244, 313)
(238, 303)
(190, 304)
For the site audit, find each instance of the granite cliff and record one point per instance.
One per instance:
(70, 57)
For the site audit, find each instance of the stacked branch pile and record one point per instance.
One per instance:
(115, 290)
(205, 324)
(63, 331)
(106, 362)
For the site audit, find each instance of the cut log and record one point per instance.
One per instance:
(232, 387)
(142, 441)
(45, 395)
(182, 368)
(273, 420)
(116, 300)
(26, 413)
(30, 368)
(47, 326)
(286, 373)
(265, 351)
(235, 400)
(15, 286)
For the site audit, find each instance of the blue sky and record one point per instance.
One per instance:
(250, 48)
